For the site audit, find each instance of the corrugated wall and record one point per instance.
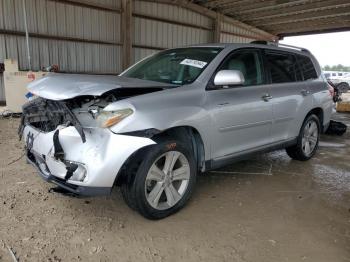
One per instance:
(85, 35)
(89, 40)
(172, 26)
(71, 25)
(234, 34)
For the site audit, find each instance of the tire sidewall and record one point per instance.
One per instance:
(150, 157)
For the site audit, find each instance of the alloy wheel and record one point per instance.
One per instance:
(167, 180)
(310, 137)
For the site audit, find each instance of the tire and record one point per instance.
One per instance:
(306, 140)
(343, 87)
(125, 187)
(128, 198)
(159, 193)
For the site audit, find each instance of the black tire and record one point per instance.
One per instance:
(127, 196)
(129, 175)
(343, 87)
(297, 151)
(134, 190)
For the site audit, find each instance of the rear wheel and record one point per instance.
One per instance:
(164, 180)
(307, 142)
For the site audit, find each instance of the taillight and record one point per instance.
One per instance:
(331, 90)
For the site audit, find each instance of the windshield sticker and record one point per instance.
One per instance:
(194, 63)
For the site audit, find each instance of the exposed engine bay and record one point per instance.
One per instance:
(81, 112)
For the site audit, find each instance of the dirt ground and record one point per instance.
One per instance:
(268, 208)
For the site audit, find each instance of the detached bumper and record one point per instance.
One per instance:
(87, 169)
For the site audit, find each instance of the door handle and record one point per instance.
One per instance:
(305, 92)
(266, 97)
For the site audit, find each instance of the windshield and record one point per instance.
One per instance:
(176, 66)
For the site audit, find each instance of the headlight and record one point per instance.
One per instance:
(110, 118)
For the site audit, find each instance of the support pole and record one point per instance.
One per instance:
(217, 28)
(127, 33)
(27, 34)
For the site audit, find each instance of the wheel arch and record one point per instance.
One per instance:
(186, 134)
(318, 111)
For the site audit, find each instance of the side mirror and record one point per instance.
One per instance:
(229, 78)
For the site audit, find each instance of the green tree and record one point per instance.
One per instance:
(336, 68)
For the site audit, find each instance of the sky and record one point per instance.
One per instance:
(329, 49)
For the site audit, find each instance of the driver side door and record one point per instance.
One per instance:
(241, 115)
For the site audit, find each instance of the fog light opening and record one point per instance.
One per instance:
(79, 174)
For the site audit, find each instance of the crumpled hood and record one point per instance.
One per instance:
(65, 86)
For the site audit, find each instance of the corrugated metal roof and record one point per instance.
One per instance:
(286, 17)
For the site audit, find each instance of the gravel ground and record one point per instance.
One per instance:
(268, 208)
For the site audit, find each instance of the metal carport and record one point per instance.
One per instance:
(286, 18)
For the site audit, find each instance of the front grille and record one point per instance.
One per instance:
(46, 115)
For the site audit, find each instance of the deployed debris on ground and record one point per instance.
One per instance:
(336, 128)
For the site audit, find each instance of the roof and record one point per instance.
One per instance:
(285, 18)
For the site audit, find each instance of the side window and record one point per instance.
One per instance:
(283, 67)
(307, 67)
(249, 63)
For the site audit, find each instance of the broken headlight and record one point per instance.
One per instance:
(110, 118)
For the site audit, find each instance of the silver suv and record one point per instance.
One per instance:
(173, 115)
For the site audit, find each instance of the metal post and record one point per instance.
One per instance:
(27, 34)
(127, 33)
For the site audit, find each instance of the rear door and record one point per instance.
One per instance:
(241, 116)
(288, 92)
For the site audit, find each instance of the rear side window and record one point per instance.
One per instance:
(283, 67)
(307, 67)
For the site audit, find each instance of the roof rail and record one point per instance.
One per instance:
(259, 42)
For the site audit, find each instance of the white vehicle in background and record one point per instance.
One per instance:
(340, 79)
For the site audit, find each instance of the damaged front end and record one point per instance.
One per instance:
(46, 115)
(64, 141)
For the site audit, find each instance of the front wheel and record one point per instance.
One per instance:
(307, 141)
(164, 180)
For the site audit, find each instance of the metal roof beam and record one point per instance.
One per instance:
(262, 6)
(315, 26)
(214, 3)
(292, 10)
(307, 17)
(221, 4)
(320, 30)
(298, 13)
